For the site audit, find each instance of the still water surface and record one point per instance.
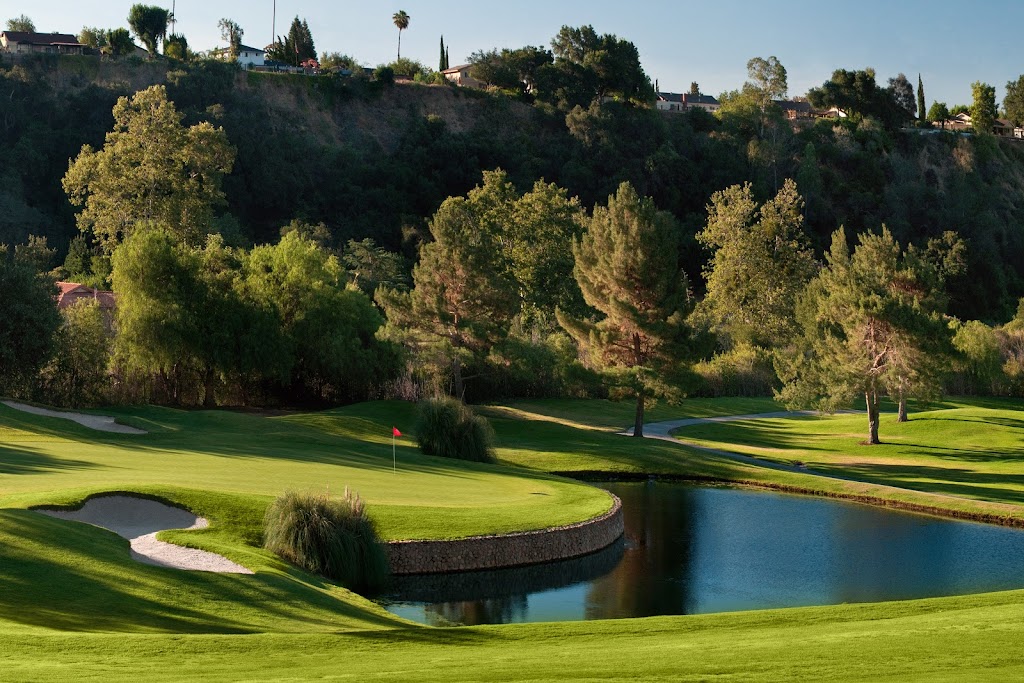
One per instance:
(691, 550)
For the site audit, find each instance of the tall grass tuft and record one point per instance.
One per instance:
(449, 429)
(334, 538)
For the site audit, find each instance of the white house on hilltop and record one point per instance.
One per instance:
(678, 103)
(247, 56)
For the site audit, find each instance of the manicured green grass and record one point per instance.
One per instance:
(74, 607)
(48, 460)
(973, 638)
(969, 452)
(75, 577)
(616, 416)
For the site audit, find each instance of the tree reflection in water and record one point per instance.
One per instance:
(658, 521)
(499, 596)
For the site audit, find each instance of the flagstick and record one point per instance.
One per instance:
(394, 460)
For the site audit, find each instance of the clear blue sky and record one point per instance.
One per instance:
(950, 43)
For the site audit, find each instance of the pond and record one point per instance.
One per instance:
(692, 550)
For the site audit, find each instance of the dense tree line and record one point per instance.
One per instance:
(858, 172)
(504, 284)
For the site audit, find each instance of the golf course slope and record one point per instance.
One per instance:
(74, 605)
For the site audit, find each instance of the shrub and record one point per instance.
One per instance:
(741, 371)
(384, 75)
(333, 538)
(525, 367)
(449, 429)
(77, 373)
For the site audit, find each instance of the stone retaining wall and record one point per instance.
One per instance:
(507, 550)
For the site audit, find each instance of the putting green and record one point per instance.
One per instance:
(48, 460)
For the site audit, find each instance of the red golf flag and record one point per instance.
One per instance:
(395, 432)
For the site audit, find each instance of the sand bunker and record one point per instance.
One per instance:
(100, 423)
(139, 520)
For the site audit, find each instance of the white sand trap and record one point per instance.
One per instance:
(139, 520)
(100, 423)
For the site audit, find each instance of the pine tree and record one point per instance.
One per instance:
(872, 325)
(921, 113)
(463, 298)
(627, 266)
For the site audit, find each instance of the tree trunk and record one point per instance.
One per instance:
(208, 382)
(460, 390)
(638, 422)
(901, 415)
(872, 400)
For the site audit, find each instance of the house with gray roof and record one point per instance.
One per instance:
(21, 42)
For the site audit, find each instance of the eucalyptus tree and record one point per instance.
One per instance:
(902, 93)
(232, 33)
(768, 81)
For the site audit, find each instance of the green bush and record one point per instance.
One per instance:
(741, 371)
(449, 429)
(334, 538)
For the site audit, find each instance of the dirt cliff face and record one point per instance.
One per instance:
(357, 113)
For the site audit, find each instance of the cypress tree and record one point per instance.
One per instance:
(441, 64)
(627, 266)
(921, 114)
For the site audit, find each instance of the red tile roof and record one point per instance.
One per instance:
(70, 292)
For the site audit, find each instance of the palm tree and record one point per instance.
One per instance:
(402, 22)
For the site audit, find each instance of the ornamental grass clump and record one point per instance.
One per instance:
(448, 428)
(332, 537)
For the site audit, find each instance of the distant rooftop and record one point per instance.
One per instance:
(27, 38)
